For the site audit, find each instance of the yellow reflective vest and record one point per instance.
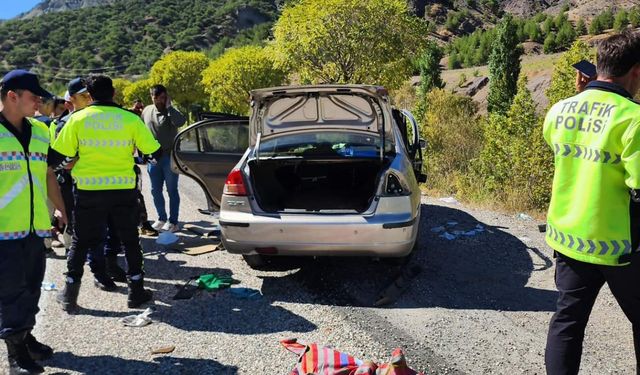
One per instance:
(104, 137)
(23, 184)
(595, 137)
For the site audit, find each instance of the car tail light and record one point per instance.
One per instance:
(235, 184)
(394, 187)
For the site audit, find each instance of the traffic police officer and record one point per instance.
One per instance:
(594, 214)
(25, 184)
(104, 136)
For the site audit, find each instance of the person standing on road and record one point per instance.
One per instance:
(103, 136)
(26, 181)
(594, 214)
(164, 120)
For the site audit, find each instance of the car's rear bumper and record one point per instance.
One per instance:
(389, 235)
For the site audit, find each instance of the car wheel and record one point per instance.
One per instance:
(403, 260)
(255, 261)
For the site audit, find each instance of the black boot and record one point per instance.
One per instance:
(104, 282)
(37, 350)
(114, 271)
(68, 298)
(138, 294)
(20, 363)
(147, 230)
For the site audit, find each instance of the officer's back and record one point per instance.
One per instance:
(104, 137)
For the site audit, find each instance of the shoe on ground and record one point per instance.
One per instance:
(170, 227)
(37, 350)
(147, 230)
(20, 362)
(158, 224)
(104, 282)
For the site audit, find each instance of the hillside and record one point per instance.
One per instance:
(51, 6)
(126, 37)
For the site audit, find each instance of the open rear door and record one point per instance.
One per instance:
(207, 151)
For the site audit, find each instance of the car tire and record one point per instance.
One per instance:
(403, 260)
(256, 261)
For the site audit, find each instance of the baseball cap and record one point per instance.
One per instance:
(76, 86)
(24, 80)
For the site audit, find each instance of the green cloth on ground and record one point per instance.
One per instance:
(212, 282)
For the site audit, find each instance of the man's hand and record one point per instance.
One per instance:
(61, 219)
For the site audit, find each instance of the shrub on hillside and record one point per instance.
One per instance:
(564, 74)
(454, 137)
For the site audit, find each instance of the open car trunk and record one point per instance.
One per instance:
(315, 185)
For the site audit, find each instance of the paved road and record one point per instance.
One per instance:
(480, 305)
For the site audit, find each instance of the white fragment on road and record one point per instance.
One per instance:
(450, 200)
(523, 216)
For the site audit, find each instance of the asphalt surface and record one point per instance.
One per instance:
(472, 305)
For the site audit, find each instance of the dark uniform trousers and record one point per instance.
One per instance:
(22, 264)
(579, 284)
(65, 181)
(94, 212)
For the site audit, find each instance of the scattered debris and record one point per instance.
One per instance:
(523, 216)
(213, 231)
(334, 362)
(196, 249)
(49, 286)
(450, 200)
(245, 293)
(542, 228)
(164, 350)
(166, 238)
(398, 286)
(139, 320)
(213, 282)
(188, 289)
(448, 236)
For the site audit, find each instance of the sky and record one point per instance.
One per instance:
(11, 8)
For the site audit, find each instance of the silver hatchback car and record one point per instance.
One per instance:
(325, 170)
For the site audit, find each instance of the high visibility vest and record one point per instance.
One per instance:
(104, 136)
(23, 184)
(595, 137)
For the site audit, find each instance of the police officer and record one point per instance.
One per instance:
(26, 182)
(104, 136)
(594, 214)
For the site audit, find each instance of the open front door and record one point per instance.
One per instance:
(207, 151)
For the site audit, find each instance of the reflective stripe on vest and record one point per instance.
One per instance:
(104, 138)
(595, 138)
(15, 190)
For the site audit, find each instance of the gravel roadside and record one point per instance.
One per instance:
(480, 305)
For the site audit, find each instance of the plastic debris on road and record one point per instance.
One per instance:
(245, 293)
(452, 235)
(450, 200)
(524, 239)
(164, 350)
(139, 320)
(166, 238)
(48, 287)
(523, 216)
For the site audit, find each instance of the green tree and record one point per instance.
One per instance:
(548, 26)
(596, 26)
(634, 16)
(581, 27)
(566, 35)
(349, 41)
(504, 67)
(621, 21)
(181, 73)
(549, 45)
(120, 85)
(607, 19)
(564, 74)
(229, 78)
(138, 90)
(430, 69)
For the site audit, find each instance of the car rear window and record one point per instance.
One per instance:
(324, 144)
